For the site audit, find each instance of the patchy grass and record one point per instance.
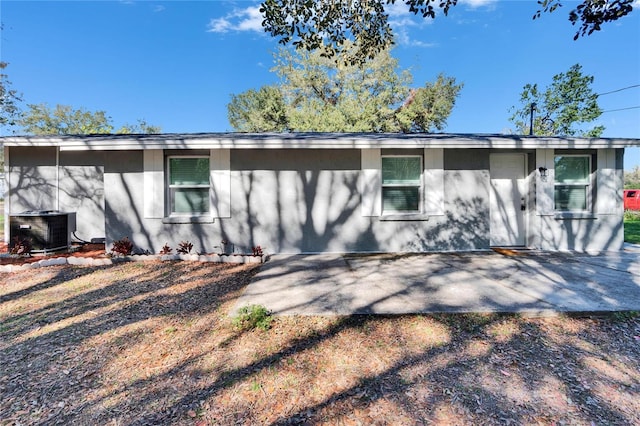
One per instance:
(152, 343)
(632, 231)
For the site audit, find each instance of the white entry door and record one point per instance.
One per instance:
(507, 199)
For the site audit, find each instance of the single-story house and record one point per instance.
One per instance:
(323, 192)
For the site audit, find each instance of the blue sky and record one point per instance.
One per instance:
(176, 63)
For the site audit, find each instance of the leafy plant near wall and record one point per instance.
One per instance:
(166, 249)
(21, 246)
(184, 247)
(257, 251)
(122, 247)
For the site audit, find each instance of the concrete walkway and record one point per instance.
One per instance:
(533, 283)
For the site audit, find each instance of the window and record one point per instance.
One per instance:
(188, 185)
(572, 182)
(401, 184)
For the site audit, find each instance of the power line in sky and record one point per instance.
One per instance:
(618, 90)
(621, 109)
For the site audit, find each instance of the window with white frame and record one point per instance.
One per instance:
(401, 184)
(188, 185)
(572, 182)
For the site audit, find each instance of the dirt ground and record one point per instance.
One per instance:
(152, 343)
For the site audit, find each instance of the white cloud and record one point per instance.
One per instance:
(478, 3)
(401, 19)
(159, 8)
(248, 19)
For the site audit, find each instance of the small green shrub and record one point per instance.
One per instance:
(632, 215)
(622, 316)
(253, 316)
(122, 247)
(632, 231)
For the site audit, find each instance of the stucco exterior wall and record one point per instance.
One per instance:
(603, 228)
(296, 201)
(34, 171)
(75, 185)
(292, 201)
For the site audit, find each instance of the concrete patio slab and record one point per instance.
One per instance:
(532, 283)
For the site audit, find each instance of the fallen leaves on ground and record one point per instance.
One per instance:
(153, 343)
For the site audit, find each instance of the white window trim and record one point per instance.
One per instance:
(154, 182)
(169, 187)
(156, 186)
(588, 185)
(433, 182)
(609, 184)
(371, 182)
(420, 187)
(220, 178)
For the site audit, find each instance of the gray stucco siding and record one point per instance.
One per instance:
(33, 170)
(310, 200)
(304, 201)
(295, 159)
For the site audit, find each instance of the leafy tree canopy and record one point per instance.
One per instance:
(319, 94)
(260, 110)
(561, 108)
(632, 178)
(327, 24)
(9, 100)
(40, 119)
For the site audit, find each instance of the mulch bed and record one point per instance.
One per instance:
(77, 250)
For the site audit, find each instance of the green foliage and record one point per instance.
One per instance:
(632, 228)
(40, 119)
(253, 316)
(567, 103)
(632, 178)
(318, 94)
(428, 107)
(140, 128)
(258, 111)
(328, 25)
(590, 14)
(9, 100)
(64, 120)
(631, 215)
(624, 316)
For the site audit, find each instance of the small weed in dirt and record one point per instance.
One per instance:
(166, 249)
(625, 315)
(253, 316)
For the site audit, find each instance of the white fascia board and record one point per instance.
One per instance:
(313, 141)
